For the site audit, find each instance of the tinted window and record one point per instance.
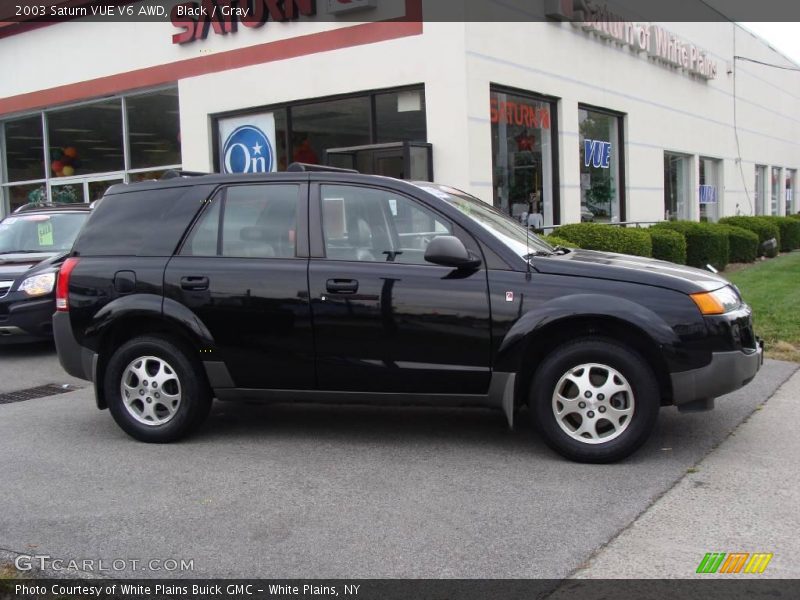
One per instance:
(258, 221)
(366, 224)
(141, 223)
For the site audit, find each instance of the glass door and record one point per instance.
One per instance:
(709, 189)
(790, 175)
(676, 187)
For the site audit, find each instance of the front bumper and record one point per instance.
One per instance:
(24, 319)
(727, 372)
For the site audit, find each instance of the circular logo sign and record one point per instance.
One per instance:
(247, 150)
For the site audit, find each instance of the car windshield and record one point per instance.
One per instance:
(52, 233)
(500, 225)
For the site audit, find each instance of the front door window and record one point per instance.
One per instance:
(365, 224)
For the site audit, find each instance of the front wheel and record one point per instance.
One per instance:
(155, 392)
(594, 400)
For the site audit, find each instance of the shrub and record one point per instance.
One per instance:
(743, 243)
(668, 245)
(609, 238)
(705, 243)
(554, 240)
(789, 230)
(761, 226)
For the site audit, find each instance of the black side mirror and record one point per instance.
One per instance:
(449, 251)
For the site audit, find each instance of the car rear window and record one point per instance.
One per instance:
(141, 223)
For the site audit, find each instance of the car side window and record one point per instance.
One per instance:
(258, 221)
(375, 225)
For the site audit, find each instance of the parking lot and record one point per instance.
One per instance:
(309, 491)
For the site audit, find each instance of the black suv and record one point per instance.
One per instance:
(33, 242)
(338, 287)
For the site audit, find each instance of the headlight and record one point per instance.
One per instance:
(717, 302)
(38, 285)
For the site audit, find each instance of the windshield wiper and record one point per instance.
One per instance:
(562, 250)
(22, 252)
(536, 253)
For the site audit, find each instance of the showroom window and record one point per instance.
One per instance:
(601, 165)
(709, 189)
(760, 194)
(775, 190)
(790, 177)
(322, 125)
(153, 129)
(73, 154)
(306, 131)
(524, 155)
(677, 179)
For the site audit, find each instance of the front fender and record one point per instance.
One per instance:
(582, 306)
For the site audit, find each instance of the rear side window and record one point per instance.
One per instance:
(141, 223)
(247, 221)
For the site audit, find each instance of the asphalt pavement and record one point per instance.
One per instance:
(314, 491)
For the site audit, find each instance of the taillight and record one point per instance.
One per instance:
(62, 285)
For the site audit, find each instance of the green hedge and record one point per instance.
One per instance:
(763, 227)
(608, 238)
(790, 232)
(705, 243)
(743, 243)
(668, 245)
(554, 240)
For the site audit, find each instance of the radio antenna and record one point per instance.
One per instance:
(528, 246)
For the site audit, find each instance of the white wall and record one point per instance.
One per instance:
(665, 109)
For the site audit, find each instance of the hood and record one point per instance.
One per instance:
(14, 265)
(631, 269)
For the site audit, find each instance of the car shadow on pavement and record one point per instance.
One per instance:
(676, 436)
(27, 350)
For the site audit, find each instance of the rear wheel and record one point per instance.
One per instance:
(155, 391)
(594, 400)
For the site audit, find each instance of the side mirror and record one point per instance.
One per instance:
(449, 251)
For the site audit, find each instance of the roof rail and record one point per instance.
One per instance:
(175, 173)
(298, 166)
(40, 205)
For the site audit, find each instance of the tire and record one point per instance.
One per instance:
(570, 404)
(169, 405)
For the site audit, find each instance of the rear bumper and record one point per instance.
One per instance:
(75, 359)
(727, 372)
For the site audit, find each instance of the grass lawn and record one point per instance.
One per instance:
(772, 288)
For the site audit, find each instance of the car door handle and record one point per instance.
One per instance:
(342, 286)
(194, 283)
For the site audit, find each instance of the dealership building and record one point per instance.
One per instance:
(551, 111)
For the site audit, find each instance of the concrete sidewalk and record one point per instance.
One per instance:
(743, 497)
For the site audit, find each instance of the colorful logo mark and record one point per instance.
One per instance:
(735, 562)
(247, 150)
